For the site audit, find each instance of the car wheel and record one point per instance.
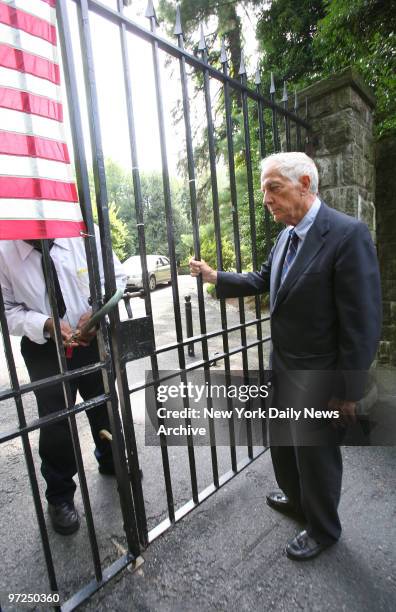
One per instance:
(152, 282)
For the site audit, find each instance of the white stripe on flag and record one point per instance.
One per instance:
(30, 83)
(26, 42)
(39, 209)
(38, 8)
(15, 165)
(25, 123)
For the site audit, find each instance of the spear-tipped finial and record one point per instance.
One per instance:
(295, 100)
(223, 53)
(242, 68)
(202, 43)
(272, 87)
(150, 11)
(285, 97)
(178, 31)
(257, 77)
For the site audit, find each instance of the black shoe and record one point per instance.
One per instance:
(303, 547)
(279, 501)
(107, 469)
(64, 517)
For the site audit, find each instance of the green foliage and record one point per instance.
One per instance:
(306, 40)
(285, 31)
(228, 23)
(123, 216)
(301, 41)
(209, 253)
(362, 33)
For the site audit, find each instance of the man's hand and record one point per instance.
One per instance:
(66, 332)
(86, 338)
(346, 409)
(201, 267)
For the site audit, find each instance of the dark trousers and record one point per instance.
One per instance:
(55, 446)
(307, 458)
(311, 478)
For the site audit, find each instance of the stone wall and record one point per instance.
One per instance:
(354, 173)
(340, 113)
(385, 199)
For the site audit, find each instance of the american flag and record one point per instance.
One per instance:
(38, 196)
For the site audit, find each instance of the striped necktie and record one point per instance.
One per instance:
(290, 255)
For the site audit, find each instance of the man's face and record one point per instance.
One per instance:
(282, 197)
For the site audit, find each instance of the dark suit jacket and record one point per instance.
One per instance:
(327, 313)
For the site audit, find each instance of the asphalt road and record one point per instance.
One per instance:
(228, 553)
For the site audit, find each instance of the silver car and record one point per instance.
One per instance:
(158, 267)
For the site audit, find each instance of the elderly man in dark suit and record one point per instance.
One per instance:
(325, 305)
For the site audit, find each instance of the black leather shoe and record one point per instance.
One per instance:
(64, 517)
(107, 469)
(303, 547)
(279, 501)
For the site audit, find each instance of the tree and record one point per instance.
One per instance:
(362, 33)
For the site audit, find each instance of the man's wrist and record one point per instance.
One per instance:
(213, 277)
(47, 325)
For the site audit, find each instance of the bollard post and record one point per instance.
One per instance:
(189, 324)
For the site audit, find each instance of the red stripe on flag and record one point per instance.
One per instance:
(50, 2)
(20, 229)
(12, 143)
(26, 102)
(27, 23)
(37, 189)
(27, 62)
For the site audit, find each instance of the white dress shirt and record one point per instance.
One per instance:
(302, 228)
(22, 282)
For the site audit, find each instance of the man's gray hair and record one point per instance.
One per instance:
(292, 166)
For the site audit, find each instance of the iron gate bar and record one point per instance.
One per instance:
(141, 515)
(192, 60)
(252, 216)
(200, 363)
(263, 153)
(71, 418)
(12, 371)
(53, 418)
(234, 202)
(212, 334)
(123, 478)
(298, 127)
(195, 221)
(205, 494)
(140, 509)
(275, 134)
(125, 495)
(267, 229)
(287, 120)
(52, 380)
(217, 228)
(150, 14)
(89, 589)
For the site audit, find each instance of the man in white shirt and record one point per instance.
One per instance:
(29, 315)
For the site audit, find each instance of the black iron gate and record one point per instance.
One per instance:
(123, 341)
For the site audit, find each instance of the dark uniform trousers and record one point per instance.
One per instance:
(55, 446)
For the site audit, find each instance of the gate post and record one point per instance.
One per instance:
(340, 111)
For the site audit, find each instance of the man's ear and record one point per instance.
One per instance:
(305, 183)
